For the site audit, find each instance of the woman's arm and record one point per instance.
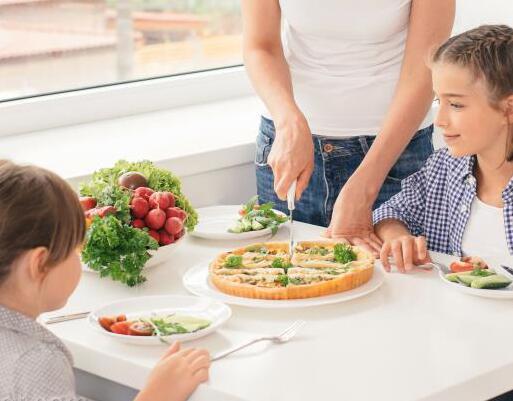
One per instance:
(291, 156)
(430, 24)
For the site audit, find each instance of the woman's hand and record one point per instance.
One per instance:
(292, 155)
(352, 217)
(176, 375)
(408, 251)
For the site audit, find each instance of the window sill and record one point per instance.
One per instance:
(188, 140)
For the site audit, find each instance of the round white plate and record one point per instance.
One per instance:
(217, 312)
(196, 281)
(158, 257)
(502, 293)
(214, 222)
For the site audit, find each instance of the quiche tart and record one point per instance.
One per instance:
(266, 270)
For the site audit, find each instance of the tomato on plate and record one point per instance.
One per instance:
(120, 327)
(140, 329)
(459, 266)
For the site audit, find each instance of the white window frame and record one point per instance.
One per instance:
(122, 99)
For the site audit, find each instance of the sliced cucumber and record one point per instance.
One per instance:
(491, 282)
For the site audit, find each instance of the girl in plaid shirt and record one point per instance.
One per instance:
(461, 201)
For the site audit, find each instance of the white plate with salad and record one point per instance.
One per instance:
(233, 222)
(173, 317)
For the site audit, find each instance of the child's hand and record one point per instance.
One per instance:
(176, 375)
(407, 252)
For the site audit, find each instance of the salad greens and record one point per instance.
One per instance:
(117, 250)
(176, 324)
(255, 217)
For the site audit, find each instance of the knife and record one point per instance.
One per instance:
(291, 197)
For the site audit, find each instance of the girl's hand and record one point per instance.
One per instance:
(408, 251)
(176, 375)
(292, 155)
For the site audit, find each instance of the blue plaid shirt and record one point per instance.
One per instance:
(435, 202)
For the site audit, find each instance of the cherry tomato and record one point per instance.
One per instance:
(458, 267)
(120, 327)
(140, 329)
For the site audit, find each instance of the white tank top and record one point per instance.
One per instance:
(485, 234)
(345, 58)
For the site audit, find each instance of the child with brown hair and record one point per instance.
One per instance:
(461, 201)
(42, 227)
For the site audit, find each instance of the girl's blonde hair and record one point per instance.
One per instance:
(487, 51)
(37, 208)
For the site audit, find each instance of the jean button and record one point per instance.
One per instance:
(328, 147)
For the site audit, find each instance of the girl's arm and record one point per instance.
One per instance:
(430, 24)
(291, 156)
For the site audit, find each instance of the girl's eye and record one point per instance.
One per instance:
(456, 105)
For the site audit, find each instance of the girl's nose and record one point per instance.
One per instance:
(440, 118)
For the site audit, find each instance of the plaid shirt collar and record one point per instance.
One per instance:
(464, 172)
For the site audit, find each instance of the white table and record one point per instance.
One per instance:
(413, 339)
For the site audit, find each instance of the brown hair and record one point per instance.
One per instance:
(488, 52)
(37, 208)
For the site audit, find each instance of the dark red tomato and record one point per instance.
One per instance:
(120, 327)
(140, 329)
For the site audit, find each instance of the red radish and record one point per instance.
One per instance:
(87, 202)
(176, 212)
(138, 223)
(155, 219)
(120, 327)
(155, 235)
(143, 192)
(170, 197)
(180, 235)
(165, 238)
(139, 207)
(174, 225)
(158, 200)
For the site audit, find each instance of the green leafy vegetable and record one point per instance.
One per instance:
(233, 261)
(295, 281)
(255, 217)
(283, 279)
(344, 253)
(280, 263)
(117, 250)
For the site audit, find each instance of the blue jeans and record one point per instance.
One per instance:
(335, 161)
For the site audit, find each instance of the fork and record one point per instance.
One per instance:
(428, 266)
(285, 336)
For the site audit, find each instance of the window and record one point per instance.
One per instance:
(49, 46)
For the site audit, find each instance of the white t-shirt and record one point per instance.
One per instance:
(485, 234)
(345, 58)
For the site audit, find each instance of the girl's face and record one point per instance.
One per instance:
(469, 123)
(60, 282)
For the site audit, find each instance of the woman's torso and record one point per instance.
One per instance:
(345, 58)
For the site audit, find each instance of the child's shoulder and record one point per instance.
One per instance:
(442, 163)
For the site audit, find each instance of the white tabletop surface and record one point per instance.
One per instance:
(414, 338)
